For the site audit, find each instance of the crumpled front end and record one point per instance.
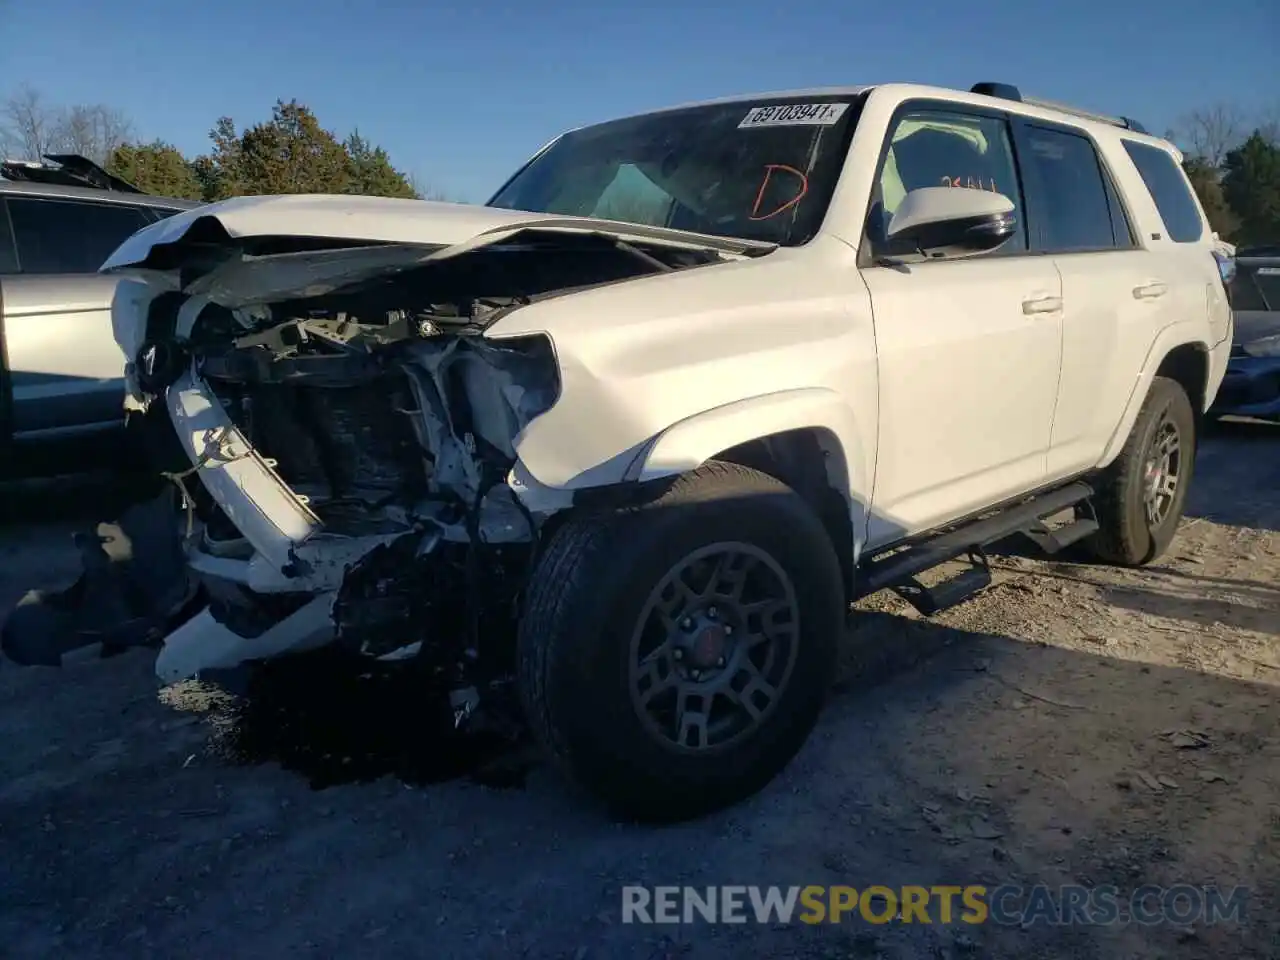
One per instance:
(350, 436)
(319, 467)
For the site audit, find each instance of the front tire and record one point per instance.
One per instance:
(674, 657)
(1142, 494)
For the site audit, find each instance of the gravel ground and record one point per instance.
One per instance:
(1073, 724)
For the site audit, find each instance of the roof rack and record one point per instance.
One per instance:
(67, 170)
(1007, 91)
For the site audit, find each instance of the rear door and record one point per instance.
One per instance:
(1186, 238)
(66, 372)
(1113, 291)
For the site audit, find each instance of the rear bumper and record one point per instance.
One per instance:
(1251, 388)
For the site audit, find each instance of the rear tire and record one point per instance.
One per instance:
(670, 702)
(1140, 497)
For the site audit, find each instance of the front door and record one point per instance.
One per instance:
(969, 349)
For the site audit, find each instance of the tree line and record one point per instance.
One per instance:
(289, 153)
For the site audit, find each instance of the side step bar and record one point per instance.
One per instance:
(898, 571)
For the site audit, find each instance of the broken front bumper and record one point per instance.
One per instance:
(285, 550)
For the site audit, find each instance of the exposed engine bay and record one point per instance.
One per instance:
(372, 396)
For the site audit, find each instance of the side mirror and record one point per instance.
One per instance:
(951, 222)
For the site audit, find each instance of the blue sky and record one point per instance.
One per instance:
(461, 93)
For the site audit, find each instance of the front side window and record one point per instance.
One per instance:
(1072, 210)
(1169, 188)
(759, 171)
(929, 148)
(69, 236)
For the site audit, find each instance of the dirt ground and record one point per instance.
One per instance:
(1074, 724)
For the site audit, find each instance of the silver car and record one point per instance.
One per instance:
(61, 373)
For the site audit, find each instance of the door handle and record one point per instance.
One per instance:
(1149, 291)
(1039, 305)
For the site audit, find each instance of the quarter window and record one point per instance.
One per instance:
(931, 148)
(1169, 189)
(68, 236)
(1072, 208)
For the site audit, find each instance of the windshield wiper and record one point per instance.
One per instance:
(640, 255)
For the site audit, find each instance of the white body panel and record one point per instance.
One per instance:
(955, 345)
(204, 644)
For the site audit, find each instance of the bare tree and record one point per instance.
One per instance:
(30, 127)
(1210, 132)
(93, 131)
(426, 192)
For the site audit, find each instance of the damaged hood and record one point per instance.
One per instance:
(395, 233)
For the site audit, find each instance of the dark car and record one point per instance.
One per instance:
(1252, 384)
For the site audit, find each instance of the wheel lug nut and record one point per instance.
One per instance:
(686, 623)
(728, 629)
(720, 662)
(696, 674)
(679, 654)
(711, 612)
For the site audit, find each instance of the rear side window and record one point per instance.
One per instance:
(1169, 188)
(1069, 194)
(69, 236)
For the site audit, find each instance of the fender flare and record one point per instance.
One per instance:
(1180, 334)
(689, 443)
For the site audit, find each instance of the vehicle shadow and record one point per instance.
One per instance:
(1253, 607)
(335, 719)
(945, 756)
(1165, 592)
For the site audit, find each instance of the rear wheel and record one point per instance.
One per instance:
(675, 656)
(1141, 496)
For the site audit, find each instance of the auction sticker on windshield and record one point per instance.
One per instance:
(794, 115)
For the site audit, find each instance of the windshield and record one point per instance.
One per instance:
(759, 170)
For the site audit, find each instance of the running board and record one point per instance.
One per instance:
(898, 571)
(1056, 539)
(950, 592)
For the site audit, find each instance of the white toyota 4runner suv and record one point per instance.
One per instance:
(636, 432)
